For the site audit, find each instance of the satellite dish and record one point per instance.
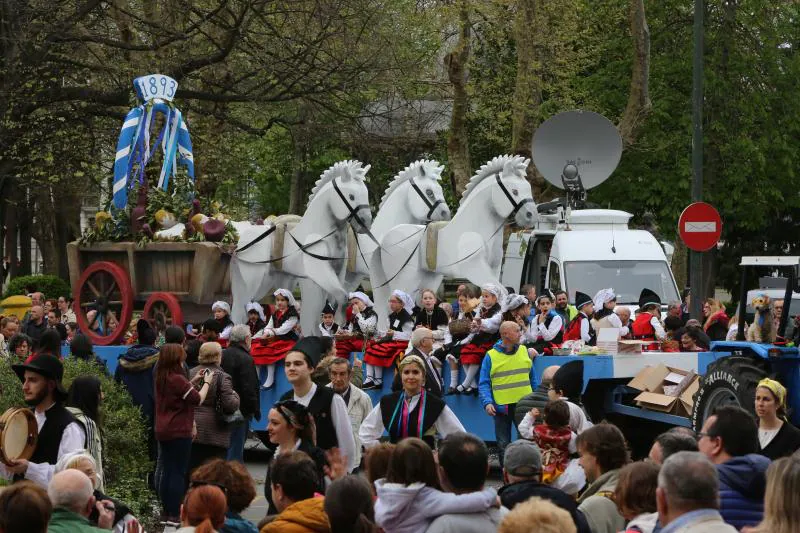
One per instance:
(577, 144)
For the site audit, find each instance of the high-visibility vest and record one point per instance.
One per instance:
(510, 375)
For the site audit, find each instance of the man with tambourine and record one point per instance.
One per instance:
(24, 455)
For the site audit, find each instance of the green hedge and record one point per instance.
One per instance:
(125, 459)
(51, 286)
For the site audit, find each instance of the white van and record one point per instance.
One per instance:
(595, 250)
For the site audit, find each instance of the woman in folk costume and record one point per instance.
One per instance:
(360, 327)
(546, 331)
(516, 308)
(222, 314)
(410, 412)
(484, 332)
(328, 326)
(272, 343)
(647, 326)
(580, 329)
(381, 353)
(604, 316)
(256, 319)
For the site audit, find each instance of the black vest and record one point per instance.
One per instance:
(389, 404)
(558, 339)
(320, 409)
(334, 328)
(365, 314)
(278, 322)
(397, 320)
(484, 337)
(57, 418)
(433, 321)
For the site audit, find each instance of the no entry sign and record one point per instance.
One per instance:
(700, 226)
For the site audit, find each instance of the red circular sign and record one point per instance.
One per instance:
(700, 226)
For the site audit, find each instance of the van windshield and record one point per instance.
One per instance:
(627, 278)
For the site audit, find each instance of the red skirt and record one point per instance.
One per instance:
(268, 353)
(472, 354)
(384, 353)
(345, 346)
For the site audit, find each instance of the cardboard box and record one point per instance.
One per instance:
(666, 389)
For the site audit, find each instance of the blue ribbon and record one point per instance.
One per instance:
(133, 147)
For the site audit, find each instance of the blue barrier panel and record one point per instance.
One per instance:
(594, 366)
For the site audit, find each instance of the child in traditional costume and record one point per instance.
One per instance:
(431, 316)
(458, 334)
(604, 316)
(328, 327)
(222, 314)
(256, 319)
(381, 353)
(546, 331)
(272, 343)
(484, 332)
(647, 326)
(555, 439)
(580, 328)
(353, 336)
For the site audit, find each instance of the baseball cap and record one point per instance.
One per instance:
(522, 458)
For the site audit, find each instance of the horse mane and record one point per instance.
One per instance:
(490, 168)
(416, 169)
(355, 168)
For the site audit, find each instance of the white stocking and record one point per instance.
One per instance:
(469, 380)
(370, 373)
(377, 372)
(453, 362)
(270, 379)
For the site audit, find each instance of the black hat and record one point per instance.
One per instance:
(582, 299)
(329, 309)
(569, 379)
(648, 297)
(311, 347)
(46, 365)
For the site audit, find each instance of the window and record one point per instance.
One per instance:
(554, 277)
(627, 278)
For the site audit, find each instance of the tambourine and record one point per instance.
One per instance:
(18, 435)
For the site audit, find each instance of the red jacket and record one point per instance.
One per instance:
(642, 329)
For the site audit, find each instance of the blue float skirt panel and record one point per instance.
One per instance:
(468, 408)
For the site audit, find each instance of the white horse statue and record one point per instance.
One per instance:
(311, 247)
(414, 196)
(413, 257)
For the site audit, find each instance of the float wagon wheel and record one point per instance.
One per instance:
(104, 303)
(163, 307)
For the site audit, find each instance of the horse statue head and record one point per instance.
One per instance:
(511, 195)
(424, 198)
(348, 198)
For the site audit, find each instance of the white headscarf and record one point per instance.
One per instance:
(603, 296)
(408, 302)
(514, 301)
(286, 294)
(221, 305)
(361, 296)
(255, 306)
(497, 290)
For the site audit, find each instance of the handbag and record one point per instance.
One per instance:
(224, 418)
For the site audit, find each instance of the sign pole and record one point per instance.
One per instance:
(696, 258)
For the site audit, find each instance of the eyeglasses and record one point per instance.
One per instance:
(199, 483)
(700, 435)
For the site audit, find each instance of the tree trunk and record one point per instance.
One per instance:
(12, 229)
(527, 90)
(24, 222)
(458, 140)
(639, 97)
(680, 260)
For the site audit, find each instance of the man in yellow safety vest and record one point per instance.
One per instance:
(504, 379)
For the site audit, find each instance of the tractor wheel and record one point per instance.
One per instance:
(728, 381)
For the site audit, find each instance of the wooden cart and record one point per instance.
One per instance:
(170, 281)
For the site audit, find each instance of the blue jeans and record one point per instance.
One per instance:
(175, 455)
(238, 438)
(502, 429)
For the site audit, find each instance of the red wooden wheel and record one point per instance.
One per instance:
(166, 305)
(104, 303)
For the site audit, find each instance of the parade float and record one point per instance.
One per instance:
(157, 247)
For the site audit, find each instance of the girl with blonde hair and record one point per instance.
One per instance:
(782, 499)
